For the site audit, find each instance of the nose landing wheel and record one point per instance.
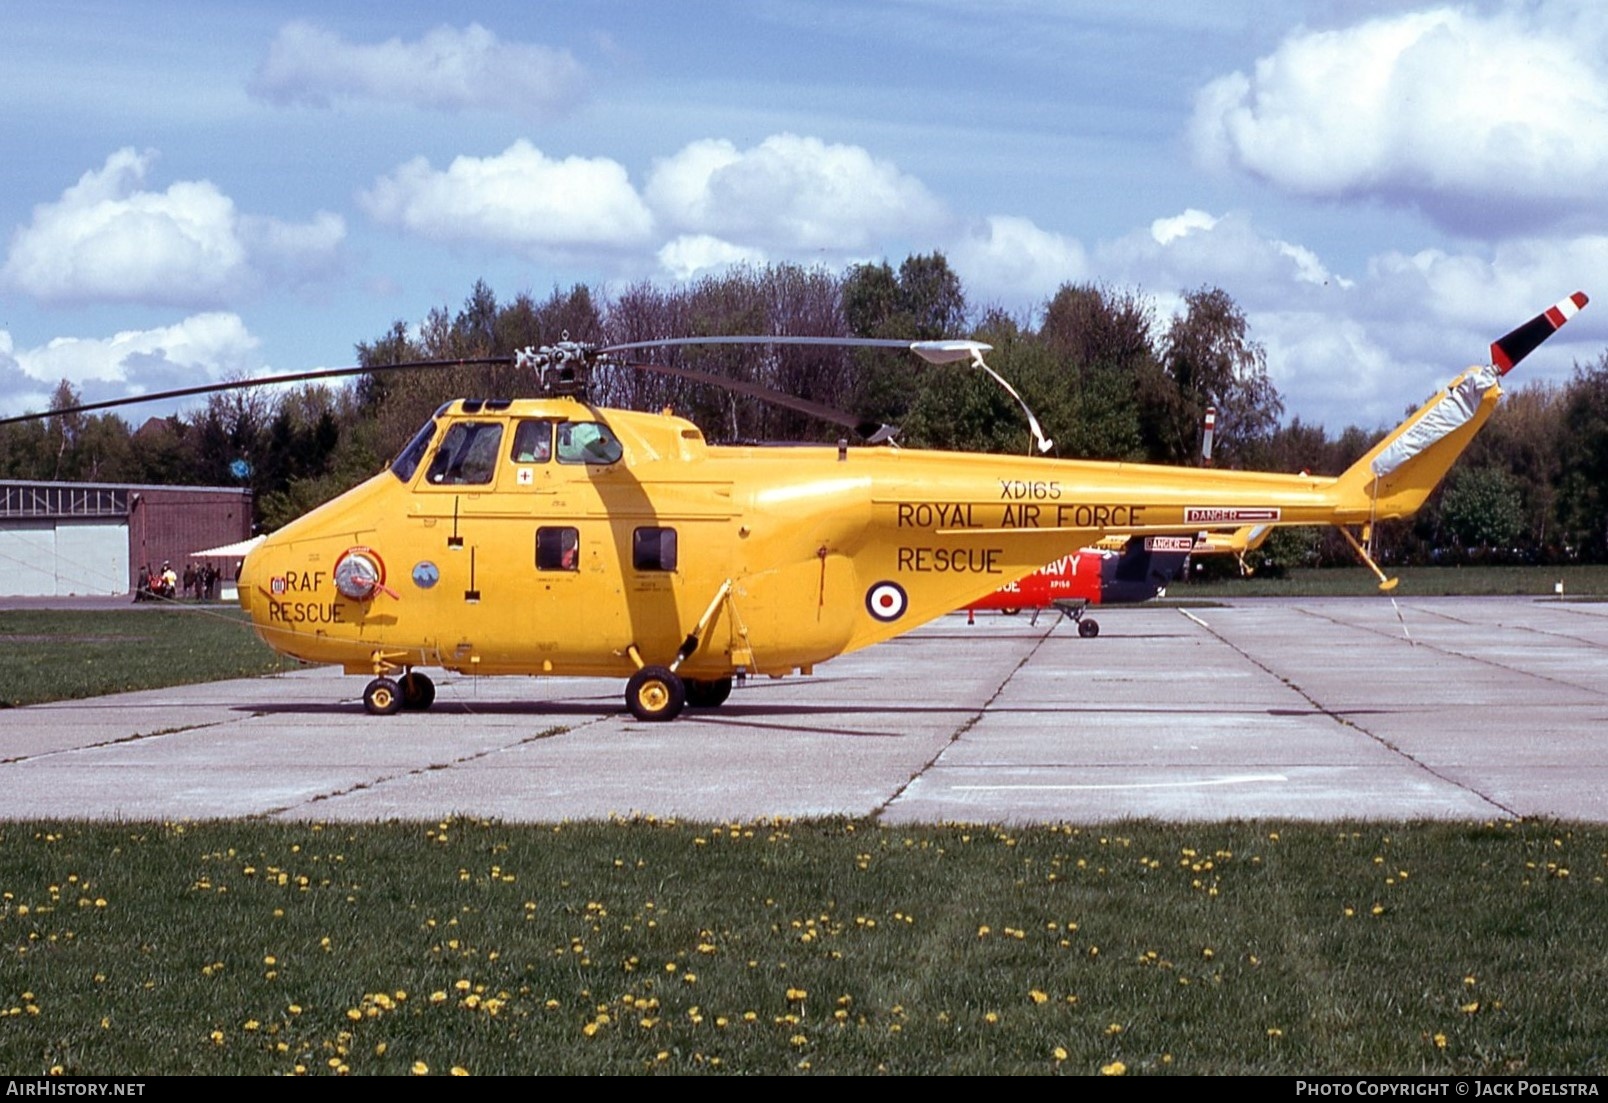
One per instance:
(382, 697)
(655, 693)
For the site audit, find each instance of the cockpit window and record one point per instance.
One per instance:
(407, 461)
(467, 455)
(587, 442)
(533, 442)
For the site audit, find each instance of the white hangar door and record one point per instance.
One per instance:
(54, 558)
(92, 557)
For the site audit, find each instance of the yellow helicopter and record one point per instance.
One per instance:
(551, 536)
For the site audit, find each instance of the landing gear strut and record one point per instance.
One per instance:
(1088, 627)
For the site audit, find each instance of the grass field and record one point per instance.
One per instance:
(832, 947)
(49, 655)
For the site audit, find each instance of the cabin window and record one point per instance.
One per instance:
(533, 442)
(468, 454)
(558, 548)
(587, 442)
(653, 549)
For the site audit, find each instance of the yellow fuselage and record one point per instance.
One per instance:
(786, 556)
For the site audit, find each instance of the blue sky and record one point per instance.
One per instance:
(198, 191)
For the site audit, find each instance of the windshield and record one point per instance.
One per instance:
(407, 461)
(468, 453)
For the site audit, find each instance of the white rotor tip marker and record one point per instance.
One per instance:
(948, 352)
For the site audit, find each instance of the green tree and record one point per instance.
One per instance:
(1482, 508)
(1583, 454)
(1211, 360)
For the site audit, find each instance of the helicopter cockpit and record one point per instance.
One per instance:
(470, 450)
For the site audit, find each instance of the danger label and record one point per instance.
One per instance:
(1227, 515)
(1169, 543)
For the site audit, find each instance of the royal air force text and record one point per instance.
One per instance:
(1025, 504)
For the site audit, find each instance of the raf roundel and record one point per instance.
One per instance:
(886, 601)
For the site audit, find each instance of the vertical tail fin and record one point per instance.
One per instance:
(1401, 471)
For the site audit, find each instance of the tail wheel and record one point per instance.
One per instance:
(708, 695)
(418, 691)
(1088, 629)
(382, 697)
(655, 693)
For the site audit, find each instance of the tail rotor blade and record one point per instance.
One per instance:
(1521, 342)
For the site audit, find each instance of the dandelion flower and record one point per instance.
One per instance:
(1115, 1068)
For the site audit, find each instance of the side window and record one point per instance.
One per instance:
(468, 454)
(533, 442)
(653, 549)
(587, 442)
(558, 548)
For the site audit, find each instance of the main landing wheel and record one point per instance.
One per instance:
(708, 695)
(1088, 629)
(655, 693)
(382, 697)
(418, 691)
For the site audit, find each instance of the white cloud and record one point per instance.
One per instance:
(1014, 262)
(1357, 351)
(200, 349)
(1332, 368)
(690, 254)
(520, 199)
(1479, 120)
(1195, 247)
(1166, 230)
(108, 240)
(448, 69)
(790, 193)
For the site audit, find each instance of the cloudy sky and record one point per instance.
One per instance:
(211, 189)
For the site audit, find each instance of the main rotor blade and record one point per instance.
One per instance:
(934, 352)
(1509, 349)
(872, 431)
(243, 384)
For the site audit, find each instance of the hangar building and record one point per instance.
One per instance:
(59, 539)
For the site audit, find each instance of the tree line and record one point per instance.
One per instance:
(1107, 378)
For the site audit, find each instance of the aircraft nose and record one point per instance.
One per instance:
(243, 583)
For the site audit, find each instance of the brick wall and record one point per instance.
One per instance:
(168, 523)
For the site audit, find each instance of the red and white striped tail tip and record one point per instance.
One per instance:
(1521, 342)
